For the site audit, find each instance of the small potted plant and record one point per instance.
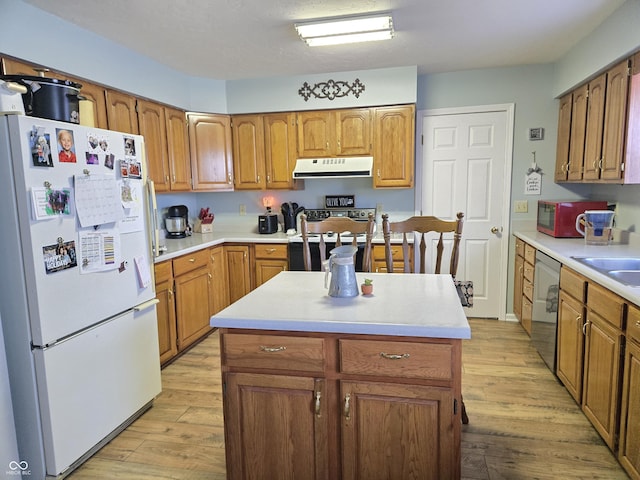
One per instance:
(367, 286)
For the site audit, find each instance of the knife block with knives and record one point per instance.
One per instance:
(204, 223)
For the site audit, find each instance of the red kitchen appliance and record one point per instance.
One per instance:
(558, 218)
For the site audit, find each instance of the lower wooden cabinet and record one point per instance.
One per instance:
(570, 351)
(602, 361)
(388, 418)
(276, 432)
(192, 282)
(166, 311)
(379, 262)
(523, 278)
(270, 260)
(219, 293)
(324, 406)
(238, 268)
(629, 450)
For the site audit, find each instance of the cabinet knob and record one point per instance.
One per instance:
(318, 395)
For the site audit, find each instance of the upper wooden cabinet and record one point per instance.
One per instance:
(248, 152)
(330, 133)
(564, 137)
(167, 146)
(121, 112)
(264, 151)
(394, 146)
(280, 151)
(211, 151)
(592, 128)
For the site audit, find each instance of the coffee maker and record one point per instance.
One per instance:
(177, 221)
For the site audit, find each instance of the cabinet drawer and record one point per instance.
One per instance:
(527, 289)
(528, 270)
(194, 260)
(396, 253)
(271, 250)
(633, 323)
(529, 254)
(163, 271)
(606, 303)
(397, 359)
(274, 352)
(573, 284)
(519, 247)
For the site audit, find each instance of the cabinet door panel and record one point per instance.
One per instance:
(315, 133)
(280, 426)
(178, 149)
(121, 112)
(248, 152)
(238, 271)
(578, 133)
(152, 127)
(564, 136)
(601, 377)
(570, 344)
(393, 156)
(166, 321)
(211, 152)
(353, 131)
(615, 121)
(219, 295)
(192, 306)
(595, 125)
(629, 452)
(412, 425)
(280, 150)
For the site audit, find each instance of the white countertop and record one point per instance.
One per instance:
(402, 304)
(563, 249)
(198, 241)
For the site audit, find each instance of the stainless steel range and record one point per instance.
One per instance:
(296, 260)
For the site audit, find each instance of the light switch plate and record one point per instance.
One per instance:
(522, 206)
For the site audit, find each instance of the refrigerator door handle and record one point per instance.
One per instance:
(155, 247)
(145, 305)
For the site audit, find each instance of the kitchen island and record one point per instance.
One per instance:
(325, 388)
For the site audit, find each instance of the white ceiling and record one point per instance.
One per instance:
(234, 39)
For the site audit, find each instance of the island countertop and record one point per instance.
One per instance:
(402, 304)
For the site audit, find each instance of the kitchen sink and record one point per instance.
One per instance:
(611, 263)
(622, 269)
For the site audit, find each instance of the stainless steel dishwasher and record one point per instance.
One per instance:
(544, 322)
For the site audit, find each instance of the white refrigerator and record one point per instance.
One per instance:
(77, 301)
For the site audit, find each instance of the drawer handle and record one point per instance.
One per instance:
(272, 349)
(391, 356)
(347, 406)
(270, 250)
(192, 260)
(318, 395)
(638, 323)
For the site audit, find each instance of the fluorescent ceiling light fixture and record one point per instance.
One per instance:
(346, 30)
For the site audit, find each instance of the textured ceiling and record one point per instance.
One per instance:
(234, 39)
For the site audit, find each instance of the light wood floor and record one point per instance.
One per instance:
(523, 423)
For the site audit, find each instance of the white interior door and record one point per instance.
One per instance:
(466, 166)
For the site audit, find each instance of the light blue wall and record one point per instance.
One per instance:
(613, 40)
(389, 86)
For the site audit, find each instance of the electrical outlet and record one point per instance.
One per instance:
(243, 209)
(522, 206)
(379, 208)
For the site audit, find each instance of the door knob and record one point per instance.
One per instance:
(496, 229)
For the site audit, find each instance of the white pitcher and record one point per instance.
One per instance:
(598, 226)
(343, 272)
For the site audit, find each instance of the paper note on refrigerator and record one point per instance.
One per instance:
(97, 199)
(99, 250)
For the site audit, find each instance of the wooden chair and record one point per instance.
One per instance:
(423, 226)
(337, 226)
